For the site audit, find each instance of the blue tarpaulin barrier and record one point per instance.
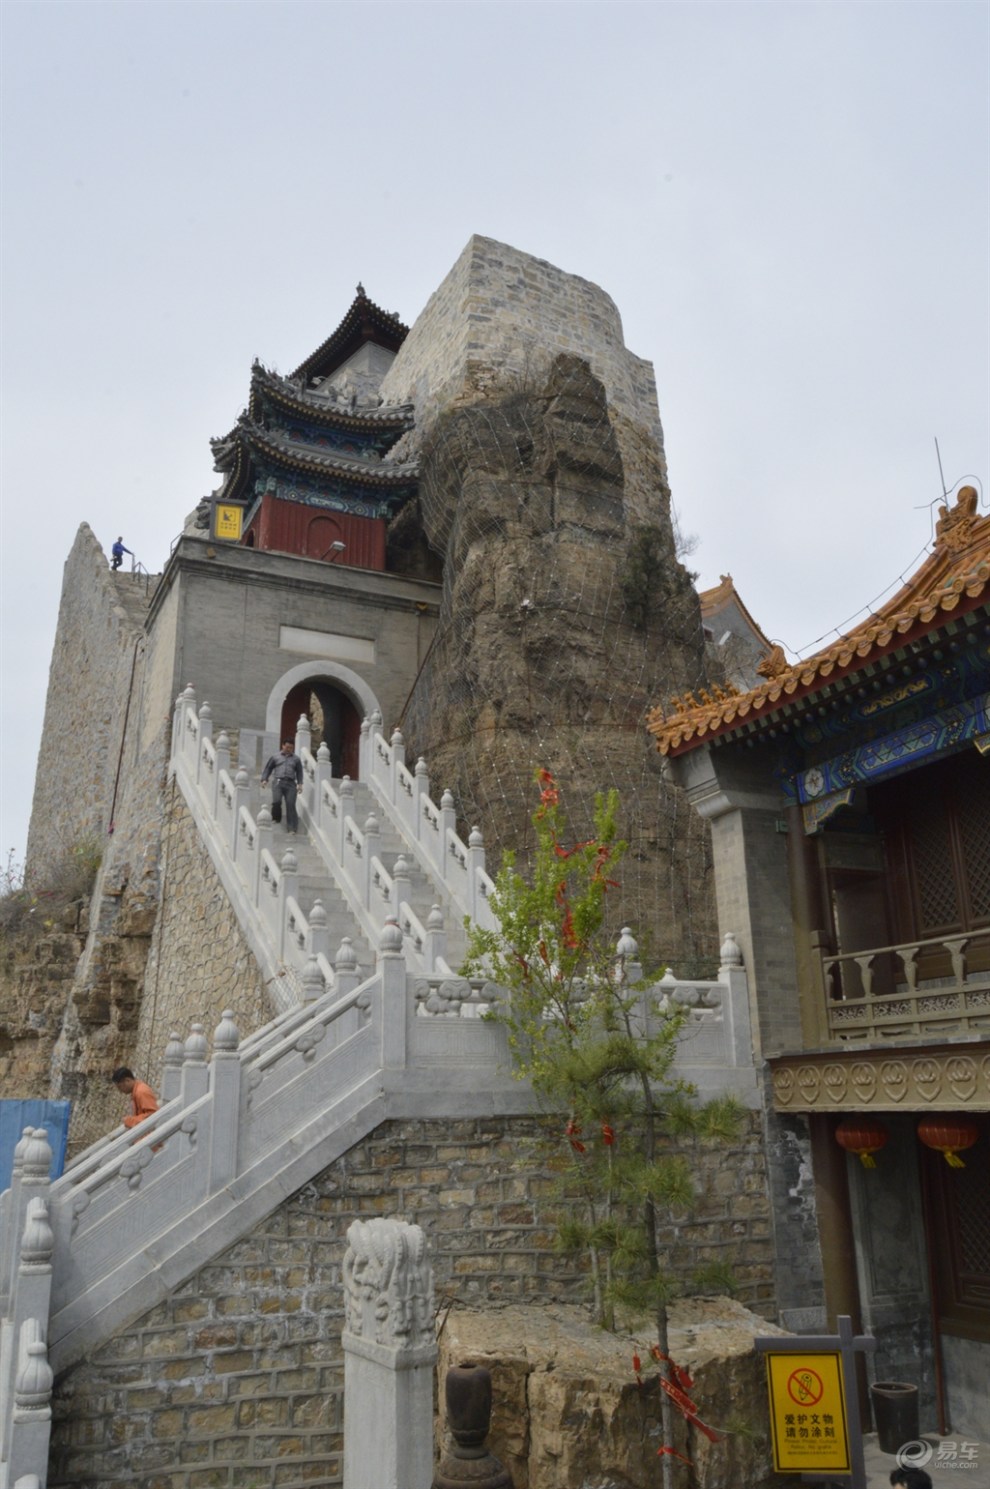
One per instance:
(53, 1116)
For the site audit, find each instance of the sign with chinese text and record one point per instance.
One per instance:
(227, 520)
(808, 1416)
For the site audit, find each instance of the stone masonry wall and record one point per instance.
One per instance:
(199, 963)
(88, 693)
(497, 321)
(237, 1379)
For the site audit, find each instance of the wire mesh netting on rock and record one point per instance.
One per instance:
(562, 621)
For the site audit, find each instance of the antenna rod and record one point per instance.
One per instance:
(941, 474)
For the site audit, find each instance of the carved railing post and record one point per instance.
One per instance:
(195, 1071)
(436, 939)
(735, 1003)
(204, 732)
(372, 848)
(346, 967)
(222, 764)
(476, 867)
(186, 699)
(398, 758)
(263, 838)
(448, 824)
(346, 798)
(324, 772)
(364, 748)
(389, 1354)
(401, 884)
(242, 797)
(394, 1011)
(172, 1067)
(28, 1253)
(304, 735)
(225, 1083)
(288, 886)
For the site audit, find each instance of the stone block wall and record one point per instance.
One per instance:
(498, 309)
(89, 689)
(236, 1380)
(199, 962)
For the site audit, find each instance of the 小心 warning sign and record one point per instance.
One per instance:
(808, 1417)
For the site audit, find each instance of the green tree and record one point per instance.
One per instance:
(598, 1049)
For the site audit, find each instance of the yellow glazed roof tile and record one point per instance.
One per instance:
(955, 573)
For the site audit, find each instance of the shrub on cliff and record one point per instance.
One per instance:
(35, 910)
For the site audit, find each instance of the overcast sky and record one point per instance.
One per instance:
(788, 203)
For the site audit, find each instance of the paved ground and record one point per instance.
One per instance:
(954, 1462)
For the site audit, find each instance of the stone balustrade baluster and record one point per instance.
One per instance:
(225, 1084)
(401, 886)
(324, 772)
(172, 1067)
(436, 939)
(735, 1002)
(288, 888)
(304, 736)
(312, 980)
(448, 824)
(346, 967)
(318, 936)
(398, 758)
(364, 748)
(394, 999)
(476, 867)
(346, 809)
(204, 732)
(421, 776)
(222, 765)
(242, 796)
(195, 1071)
(185, 700)
(264, 840)
(372, 847)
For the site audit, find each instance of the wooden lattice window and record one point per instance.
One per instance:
(959, 1211)
(936, 828)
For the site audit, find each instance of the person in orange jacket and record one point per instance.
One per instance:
(143, 1097)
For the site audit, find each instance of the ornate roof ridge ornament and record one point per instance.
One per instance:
(957, 571)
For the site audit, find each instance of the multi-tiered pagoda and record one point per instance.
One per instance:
(307, 467)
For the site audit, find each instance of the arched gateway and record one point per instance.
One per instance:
(334, 699)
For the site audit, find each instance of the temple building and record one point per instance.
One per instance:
(849, 801)
(306, 468)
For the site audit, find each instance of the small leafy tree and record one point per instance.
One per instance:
(601, 1060)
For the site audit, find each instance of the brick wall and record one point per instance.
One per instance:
(237, 1379)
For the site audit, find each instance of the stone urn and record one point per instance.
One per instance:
(467, 1462)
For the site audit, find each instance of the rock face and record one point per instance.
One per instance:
(569, 1414)
(555, 637)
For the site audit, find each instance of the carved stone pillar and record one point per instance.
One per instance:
(389, 1355)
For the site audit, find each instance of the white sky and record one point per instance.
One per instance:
(788, 203)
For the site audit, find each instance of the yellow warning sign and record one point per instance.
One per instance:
(808, 1412)
(227, 522)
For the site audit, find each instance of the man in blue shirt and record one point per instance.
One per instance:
(117, 554)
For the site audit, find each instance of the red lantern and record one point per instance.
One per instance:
(863, 1136)
(947, 1135)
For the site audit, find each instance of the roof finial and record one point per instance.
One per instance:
(360, 291)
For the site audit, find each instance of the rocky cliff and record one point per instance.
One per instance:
(564, 617)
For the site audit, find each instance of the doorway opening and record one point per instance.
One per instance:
(334, 719)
